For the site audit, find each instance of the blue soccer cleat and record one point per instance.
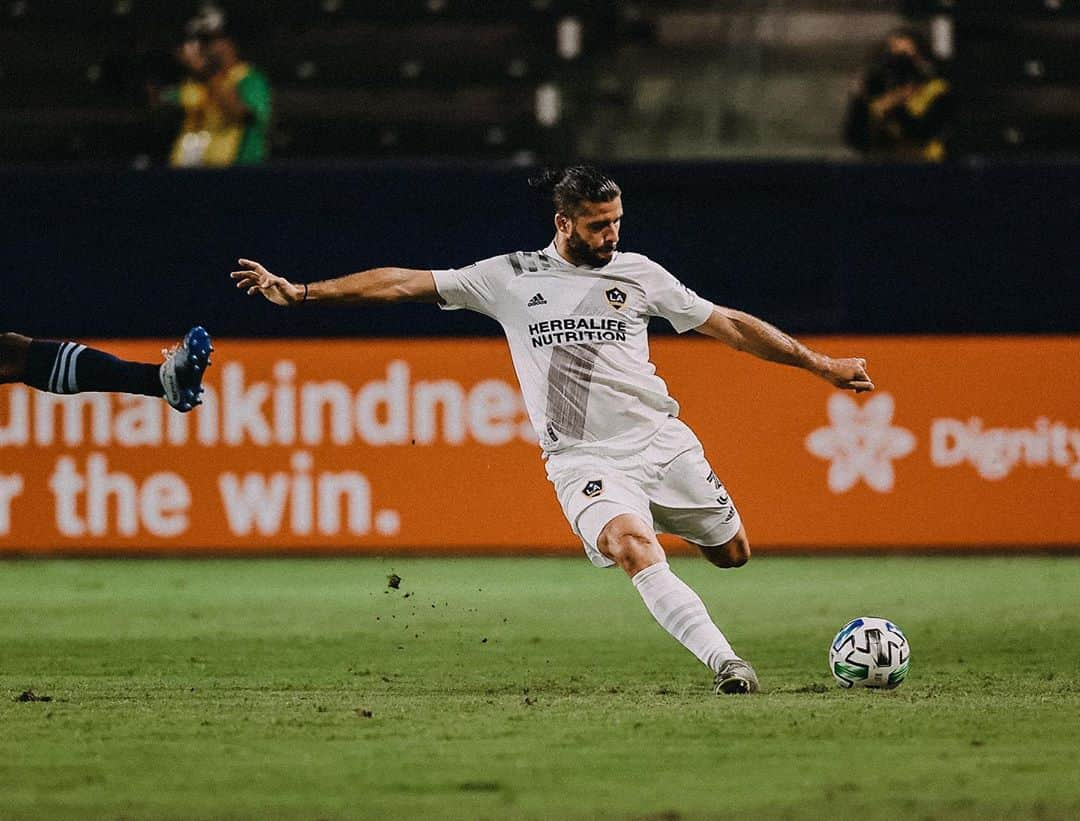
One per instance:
(182, 371)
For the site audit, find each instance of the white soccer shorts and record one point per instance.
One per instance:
(669, 484)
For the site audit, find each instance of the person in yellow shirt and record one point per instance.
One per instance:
(901, 109)
(226, 101)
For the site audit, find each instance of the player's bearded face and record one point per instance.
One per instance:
(584, 253)
(594, 233)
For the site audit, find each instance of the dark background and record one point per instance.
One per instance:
(815, 248)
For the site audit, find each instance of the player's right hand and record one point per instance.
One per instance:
(255, 279)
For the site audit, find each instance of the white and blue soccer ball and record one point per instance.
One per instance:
(869, 652)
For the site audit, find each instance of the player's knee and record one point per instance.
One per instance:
(630, 544)
(734, 553)
(13, 348)
(738, 551)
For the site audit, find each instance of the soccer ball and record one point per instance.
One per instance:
(869, 652)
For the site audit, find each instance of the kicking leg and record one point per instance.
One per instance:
(68, 367)
(630, 543)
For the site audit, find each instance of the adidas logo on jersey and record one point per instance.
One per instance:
(537, 299)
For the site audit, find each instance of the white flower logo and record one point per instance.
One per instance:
(861, 442)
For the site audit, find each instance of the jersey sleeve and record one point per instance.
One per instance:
(668, 298)
(478, 287)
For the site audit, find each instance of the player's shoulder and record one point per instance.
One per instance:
(517, 262)
(634, 258)
(498, 265)
(641, 268)
(530, 262)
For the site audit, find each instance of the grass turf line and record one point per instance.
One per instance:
(530, 688)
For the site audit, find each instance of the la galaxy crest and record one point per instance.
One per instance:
(616, 298)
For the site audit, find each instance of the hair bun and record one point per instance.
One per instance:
(546, 180)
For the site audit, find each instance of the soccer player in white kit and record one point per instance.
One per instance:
(623, 465)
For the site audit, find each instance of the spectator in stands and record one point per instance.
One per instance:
(226, 101)
(901, 109)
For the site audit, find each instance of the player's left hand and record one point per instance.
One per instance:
(849, 374)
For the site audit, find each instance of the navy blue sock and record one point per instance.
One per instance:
(67, 367)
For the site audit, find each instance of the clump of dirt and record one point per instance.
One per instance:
(360, 711)
(394, 581)
(816, 687)
(480, 786)
(30, 695)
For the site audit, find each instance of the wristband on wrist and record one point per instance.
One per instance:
(305, 293)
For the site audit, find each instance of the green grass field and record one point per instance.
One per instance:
(530, 688)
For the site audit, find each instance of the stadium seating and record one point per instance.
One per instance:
(666, 79)
(705, 79)
(351, 77)
(1013, 65)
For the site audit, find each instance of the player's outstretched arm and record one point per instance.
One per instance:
(745, 332)
(376, 285)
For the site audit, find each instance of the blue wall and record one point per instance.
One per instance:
(814, 248)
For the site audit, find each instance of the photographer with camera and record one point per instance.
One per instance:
(226, 101)
(901, 109)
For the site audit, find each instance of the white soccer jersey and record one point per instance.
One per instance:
(578, 339)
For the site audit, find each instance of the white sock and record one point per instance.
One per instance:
(681, 612)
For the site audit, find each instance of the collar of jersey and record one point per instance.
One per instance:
(553, 252)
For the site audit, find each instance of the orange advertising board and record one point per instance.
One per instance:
(383, 445)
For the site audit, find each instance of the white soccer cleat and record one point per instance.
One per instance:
(182, 371)
(735, 676)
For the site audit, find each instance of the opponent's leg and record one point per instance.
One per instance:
(13, 349)
(630, 543)
(68, 367)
